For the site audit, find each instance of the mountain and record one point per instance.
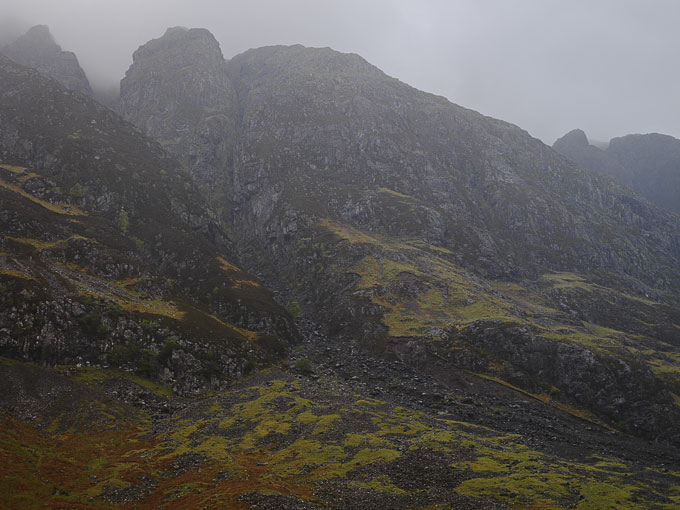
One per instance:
(421, 231)
(177, 91)
(576, 147)
(109, 255)
(471, 321)
(652, 167)
(37, 49)
(647, 164)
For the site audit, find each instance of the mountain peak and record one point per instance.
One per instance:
(171, 79)
(576, 138)
(175, 30)
(304, 60)
(38, 40)
(180, 46)
(38, 49)
(40, 34)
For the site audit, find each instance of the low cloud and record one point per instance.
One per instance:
(607, 67)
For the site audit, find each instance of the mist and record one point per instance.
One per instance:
(607, 67)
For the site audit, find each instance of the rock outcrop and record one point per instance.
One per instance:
(319, 132)
(37, 49)
(177, 91)
(576, 147)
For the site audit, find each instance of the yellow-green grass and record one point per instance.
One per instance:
(58, 208)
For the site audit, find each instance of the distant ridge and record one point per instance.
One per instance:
(648, 164)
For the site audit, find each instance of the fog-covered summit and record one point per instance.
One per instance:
(38, 49)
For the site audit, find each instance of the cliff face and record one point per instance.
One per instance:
(575, 146)
(647, 164)
(320, 132)
(414, 228)
(38, 50)
(336, 129)
(178, 92)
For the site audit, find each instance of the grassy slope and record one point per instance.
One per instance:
(421, 293)
(54, 249)
(103, 213)
(280, 437)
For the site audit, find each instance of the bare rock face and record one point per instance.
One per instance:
(37, 49)
(178, 92)
(317, 133)
(324, 134)
(574, 140)
(575, 146)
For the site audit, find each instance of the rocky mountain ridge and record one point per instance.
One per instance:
(647, 164)
(398, 219)
(285, 94)
(38, 50)
(196, 125)
(480, 323)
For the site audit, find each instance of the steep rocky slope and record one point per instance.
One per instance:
(37, 49)
(420, 230)
(575, 146)
(647, 164)
(326, 131)
(336, 130)
(108, 254)
(177, 91)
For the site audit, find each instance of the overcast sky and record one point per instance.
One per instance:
(609, 67)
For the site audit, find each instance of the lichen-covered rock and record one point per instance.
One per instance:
(623, 390)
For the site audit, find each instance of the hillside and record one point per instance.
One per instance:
(300, 283)
(89, 438)
(109, 255)
(418, 230)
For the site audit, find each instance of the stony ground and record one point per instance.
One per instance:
(353, 430)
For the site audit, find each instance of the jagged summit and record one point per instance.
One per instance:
(183, 44)
(177, 91)
(38, 49)
(574, 138)
(316, 61)
(652, 166)
(650, 139)
(40, 34)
